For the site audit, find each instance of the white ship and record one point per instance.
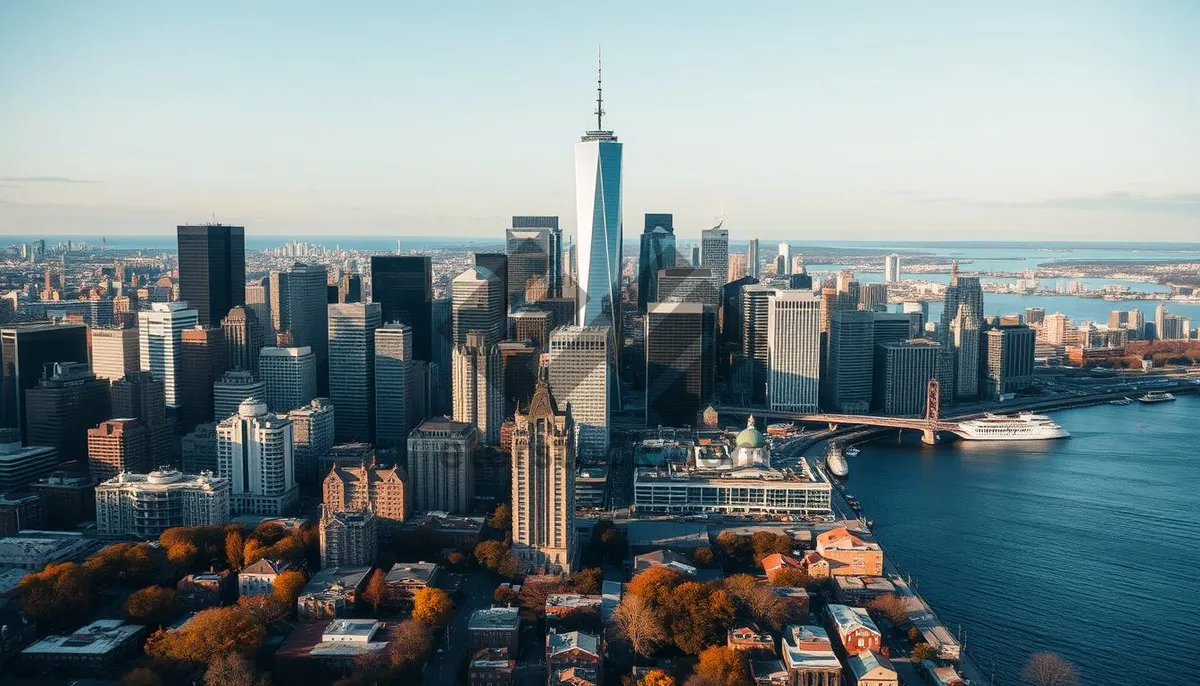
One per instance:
(835, 461)
(1156, 397)
(1026, 426)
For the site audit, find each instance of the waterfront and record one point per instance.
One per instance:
(1057, 545)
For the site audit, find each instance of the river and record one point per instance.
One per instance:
(1087, 546)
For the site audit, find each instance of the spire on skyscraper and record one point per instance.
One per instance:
(599, 92)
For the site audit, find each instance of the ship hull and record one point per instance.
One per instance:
(1040, 436)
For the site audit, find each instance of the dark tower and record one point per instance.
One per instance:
(403, 287)
(212, 270)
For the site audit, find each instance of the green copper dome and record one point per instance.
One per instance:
(750, 437)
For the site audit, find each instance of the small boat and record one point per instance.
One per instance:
(835, 461)
(1121, 401)
(1156, 397)
(852, 452)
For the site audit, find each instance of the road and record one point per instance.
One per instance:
(444, 667)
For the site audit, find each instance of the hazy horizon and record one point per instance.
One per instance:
(943, 122)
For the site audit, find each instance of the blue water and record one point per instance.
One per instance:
(1088, 546)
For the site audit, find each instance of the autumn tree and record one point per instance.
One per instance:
(183, 555)
(702, 556)
(699, 616)
(266, 609)
(655, 584)
(586, 581)
(376, 589)
(432, 606)
(769, 609)
(140, 676)
(741, 587)
(636, 621)
(288, 586)
(657, 677)
(489, 553)
(923, 651)
(210, 633)
(505, 595)
(409, 643)
(235, 547)
(535, 592)
(229, 669)
(58, 597)
(192, 547)
(153, 605)
(1049, 669)
(890, 606)
(764, 543)
(790, 576)
(501, 518)
(721, 666)
(130, 564)
(735, 549)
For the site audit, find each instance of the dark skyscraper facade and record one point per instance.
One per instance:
(498, 263)
(298, 305)
(403, 287)
(24, 353)
(212, 270)
(657, 252)
(533, 246)
(680, 350)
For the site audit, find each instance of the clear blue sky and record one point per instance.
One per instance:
(872, 120)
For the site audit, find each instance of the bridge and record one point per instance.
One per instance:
(929, 425)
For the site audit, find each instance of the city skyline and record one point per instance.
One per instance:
(1046, 124)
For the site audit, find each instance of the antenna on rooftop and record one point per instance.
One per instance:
(599, 92)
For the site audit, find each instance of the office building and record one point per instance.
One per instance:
(22, 465)
(402, 285)
(686, 284)
(800, 281)
(258, 298)
(730, 321)
(141, 396)
(873, 297)
(289, 377)
(352, 368)
(543, 486)
(580, 366)
(232, 389)
(714, 251)
(755, 342)
(479, 386)
(753, 269)
(1137, 324)
(680, 350)
(254, 451)
(385, 491)
(657, 252)
(531, 255)
(737, 267)
(964, 302)
(478, 305)
(24, 353)
(441, 462)
(298, 309)
(70, 500)
(598, 223)
(964, 340)
(534, 324)
(198, 449)
(67, 401)
(212, 270)
(115, 446)
(160, 333)
(243, 338)
(890, 327)
(901, 376)
(851, 358)
(1010, 353)
(891, 268)
(794, 351)
(145, 505)
(312, 437)
(348, 538)
(783, 262)
(1034, 316)
(350, 288)
(519, 365)
(114, 352)
(393, 381)
(497, 264)
(203, 358)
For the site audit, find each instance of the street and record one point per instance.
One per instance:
(443, 667)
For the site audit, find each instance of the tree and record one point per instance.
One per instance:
(432, 606)
(657, 677)
(586, 581)
(501, 518)
(58, 597)
(765, 543)
(721, 666)
(703, 557)
(535, 593)
(269, 533)
(210, 633)
(741, 587)
(636, 621)
(409, 643)
(235, 547)
(229, 669)
(891, 606)
(923, 651)
(153, 605)
(768, 608)
(790, 576)
(140, 676)
(183, 555)
(490, 553)
(266, 609)
(376, 589)
(508, 566)
(736, 550)
(131, 564)
(699, 616)
(655, 584)
(1049, 669)
(288, 586)
(505, 595)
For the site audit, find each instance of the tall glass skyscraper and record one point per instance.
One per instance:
(212, 269)
(657, 252)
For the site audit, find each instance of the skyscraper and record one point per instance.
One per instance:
(479, 386)
(755, 348)
(519, 364)
(1010, 353)
(785, 254)
(160, 330)
(393, 384)
(26, 350)
(478, 305)
(737, 267)
(244, 338)
(657, 252)
(851, 358)
(403, 287)
(441, 462)
(579, 378)
(289, 377)
(873, 296)
(203, 358)
(680, 349)
(965, 332)
(533, 324)
(962, 291)
(689, 284)
(554, 248)
(67, 401)
(1160, 322)
(234, 388)
(140, 395)
(543, 486)
(752, 263)
(598, 223)
(115, 446)
(891, 269)
(258, 298)
(114, 352)
(312, 437)
(212, 270)
(254, 451)
(714, 250)
(794, 349)
(352, 368)
(348, 538)
(497, 263)
(901, 376)
(531, 245)
(298, 307)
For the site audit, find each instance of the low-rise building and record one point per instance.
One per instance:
(816, 566)
(856, 632)
(207, 589)
(573, 649)
(809, 658)
(872, 669)
(331, 593)
(491, 667)
(575, 676)
(749, 637)
(258, 577)
(861, 590)
(664, 558)
(774, 563)
(70, 499)
(21, 511)
(850, 553)
(496, 627)
(439, 530)
(348, 537)
(581, 609)
(941, 675)
(148, 504)
(404, 579)
(98, 648)
(591, 482)
(332, 648)
(796, 600)
(32, 550)
(22, 465)
(769, 673)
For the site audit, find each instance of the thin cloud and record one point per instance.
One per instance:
(42, 179)
(1115, 201)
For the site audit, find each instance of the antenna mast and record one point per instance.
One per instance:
(599, 92)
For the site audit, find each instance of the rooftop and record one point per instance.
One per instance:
(412, 571)
(559, 643)
(849, 619)
(336, 577)
(864, 663)
(495, 618)
(808, 647)
(351, 630)
(99, 637)
(573, 601)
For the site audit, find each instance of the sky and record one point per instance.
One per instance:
(799, 120)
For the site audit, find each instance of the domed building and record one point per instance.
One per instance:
(750, 448)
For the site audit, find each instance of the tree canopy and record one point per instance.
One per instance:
(432, 606)
(153, 605)
(721, 666)
(58, 597)
(212, 632)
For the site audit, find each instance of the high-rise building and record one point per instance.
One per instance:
(145, 505)
(1137, 324)
(598, 223)
(784, 260)
(25, 351)
(258, 298)
(1034, 316)
(141, 396)
(714, 250)
(794, 351)
(478, 305)
(1010, 353)
(1160, 320)
(348, 538)
(730, 321)
(964, 341)
(114, 352)
(891, 327)
(198, 449)
(352, 368)
(753, 268)
(901, 376)
(385, 491)
(289, 377)
(403, 287)
(657, 252)
(212, 270)
(580, 366)
(873, 297)
(244, 338)
(254, 451)
(298, 308)
(531, 246)
(532, 323)
(115, 446)
(964, 291)
(234, 388)
(891, 268)
(497, 264)
(755, 343)
(22, 465)
(519, 364)
(203, 358)
(393, 384)
(687, 284)
(1058, 330)
(160, 331)
(67, 401)
(312, 437)
(680, 350)
(479, 386)
(441, 462)
(851, 358)
(737, 268)
(350, 288)
(543, 486)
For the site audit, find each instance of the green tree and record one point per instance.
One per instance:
(432, 606)
(58, 597)
(153, 605)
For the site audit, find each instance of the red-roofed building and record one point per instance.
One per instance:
(776, 562)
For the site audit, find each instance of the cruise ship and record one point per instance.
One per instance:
(1026, 426)
(1156, 397)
